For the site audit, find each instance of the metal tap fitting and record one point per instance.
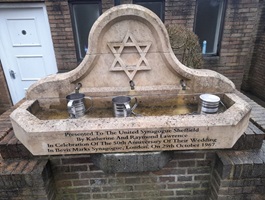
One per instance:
(183, 84)
(132, 84)
(77, 87)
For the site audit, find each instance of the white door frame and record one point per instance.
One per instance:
(4, 62)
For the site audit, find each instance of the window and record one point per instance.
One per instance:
(117, 2)
(157, 6)
(209, 22)
(84, 14)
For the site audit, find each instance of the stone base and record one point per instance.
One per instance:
(132, 162)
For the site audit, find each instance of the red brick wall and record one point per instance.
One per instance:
(180, 12)
(5, 101)
(237, 40)
(62, 34)
(240, 25)
(187, 175)
(255, 81)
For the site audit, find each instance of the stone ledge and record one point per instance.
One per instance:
(11, 147)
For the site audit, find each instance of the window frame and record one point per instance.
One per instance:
(148, 1)
(74, 25)
(117, 2)
(221, 29)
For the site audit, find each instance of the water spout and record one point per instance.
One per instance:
(183, 84)
(132, 84)
(77, 87)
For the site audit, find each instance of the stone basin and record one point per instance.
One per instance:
(156, 105)
(129, 43)
(99, 133)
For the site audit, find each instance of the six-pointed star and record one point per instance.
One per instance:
(120, 64)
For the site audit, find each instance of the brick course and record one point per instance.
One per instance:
(62, 34)
(239, 175)
(26, 179)
(225, 175)
(5, 101)
(170, 182)
(180, 12)
(255, 80)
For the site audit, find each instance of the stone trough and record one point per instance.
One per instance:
(129, 44)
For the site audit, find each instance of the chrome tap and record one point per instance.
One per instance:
(77, 87)
(132, 84)
(183, 84)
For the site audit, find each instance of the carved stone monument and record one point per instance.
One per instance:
(129, 54)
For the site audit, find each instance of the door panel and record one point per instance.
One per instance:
(23, 32)
(26, 48)
(31, 68)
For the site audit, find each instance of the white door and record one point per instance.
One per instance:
(26, 49)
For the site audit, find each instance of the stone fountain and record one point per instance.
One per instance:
(130, 54)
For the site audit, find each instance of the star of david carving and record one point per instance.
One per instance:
(130, 56)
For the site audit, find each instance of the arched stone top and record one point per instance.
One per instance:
(129, 15)
(129, 42)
